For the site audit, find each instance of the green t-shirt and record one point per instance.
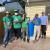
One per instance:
(24, 23)
(17, 18)
(7, 20)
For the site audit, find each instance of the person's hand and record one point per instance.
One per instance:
(46, 27)
(10, 27)
(15, 21)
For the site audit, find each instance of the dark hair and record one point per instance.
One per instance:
(42, 12)
(36, 15)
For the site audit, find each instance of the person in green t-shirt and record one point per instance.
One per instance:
(24, 26)
(17, 24)
(7, 28)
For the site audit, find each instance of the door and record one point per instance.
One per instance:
(1, 24)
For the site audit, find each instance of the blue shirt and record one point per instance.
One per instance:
(37, 21)
(43, 20)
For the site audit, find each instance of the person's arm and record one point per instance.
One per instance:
(4, 21)
(20, 19)
(40, 23)
(47, 23)
(5, 24)
(26, 20)
(14, 21)
(33, 20)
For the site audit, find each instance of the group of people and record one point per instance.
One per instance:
(19, 25)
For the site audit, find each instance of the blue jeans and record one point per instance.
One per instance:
(7, 33)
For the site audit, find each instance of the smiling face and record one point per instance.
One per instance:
(7, 14)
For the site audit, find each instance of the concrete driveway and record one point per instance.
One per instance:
(42, 44)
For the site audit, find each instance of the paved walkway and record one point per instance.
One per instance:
(20, 45)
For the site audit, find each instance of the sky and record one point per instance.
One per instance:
(1, 1)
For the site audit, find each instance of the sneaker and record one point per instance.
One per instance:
(4, 45)
(28, 40)
(44, 37)
(24, 39)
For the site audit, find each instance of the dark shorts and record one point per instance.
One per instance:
(43, 29)
(17, 32)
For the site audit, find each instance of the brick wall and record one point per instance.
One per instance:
(32, 10)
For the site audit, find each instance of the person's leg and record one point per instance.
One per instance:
(22, 32)
(45, 35)
(38, 32)
(5, 36)
(34, 35)
(44, 31)
(19, 34)
(16, 33)
(8, 36)
(5, 40)
(25, 34)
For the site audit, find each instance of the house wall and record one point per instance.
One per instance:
(2, 9)
(1, 25)
(33, 8)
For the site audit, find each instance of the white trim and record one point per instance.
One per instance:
(2, 9)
